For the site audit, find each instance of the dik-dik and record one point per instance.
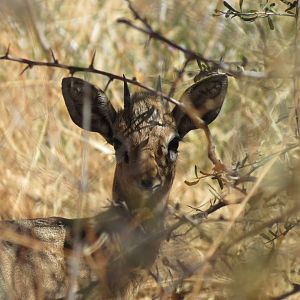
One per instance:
(106, 256)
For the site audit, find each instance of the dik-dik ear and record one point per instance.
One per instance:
(205, 98)
(88, 106)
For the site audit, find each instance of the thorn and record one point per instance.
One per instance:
(126, 94)
(159, 90)
(91, 66)
(108, 83)
(158, 84)
(147, 43)
(53, 57)
(72, 71)
(7, 51)
(25, 69)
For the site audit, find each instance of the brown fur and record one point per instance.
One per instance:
(107, 255)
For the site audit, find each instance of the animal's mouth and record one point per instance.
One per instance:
(152, 188)
(150, 184)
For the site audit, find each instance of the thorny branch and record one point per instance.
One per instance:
(251, 16)
(75, 69)
(223, 248)
(199, 123)
(268, 11)
(148, 30)
(295, 290)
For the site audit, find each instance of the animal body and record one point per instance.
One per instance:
(106, 256)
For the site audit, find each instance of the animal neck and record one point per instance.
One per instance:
(148, 211)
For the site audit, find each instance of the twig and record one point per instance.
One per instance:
(250, 15)
(137, 16)
(183, 221)
(75, 69)
(296, 63)
(224, 248)
(219, 166)
(157, 36)
(199, 123)
(178, 77)
(295, 290)
(192, 55)
(277, 235)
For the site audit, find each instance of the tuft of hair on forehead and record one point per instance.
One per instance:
(145, 109)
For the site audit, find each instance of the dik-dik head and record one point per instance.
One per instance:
(145, 134)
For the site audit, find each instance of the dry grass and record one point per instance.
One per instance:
(45, 157)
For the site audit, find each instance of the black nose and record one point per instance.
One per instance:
(147, 183)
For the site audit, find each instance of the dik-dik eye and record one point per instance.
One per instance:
(173, 148)
(117, 144)
(120, 154)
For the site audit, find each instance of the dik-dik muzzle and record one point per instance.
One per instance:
(145, 134)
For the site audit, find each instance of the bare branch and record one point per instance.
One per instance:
(199, 123)
(295, 290)
(76, 69)
(229, 68)
(191, 55)
(250, 16)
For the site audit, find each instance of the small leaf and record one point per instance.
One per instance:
(226, 4)
(291, 6)
(248, 19)
(227, 15)
(286, 2)
(289, 12)
(244, 64)
(272, 233)
(265, 236)
(241, 4)
(220, 183)
(191, 183)
(196, 171)
(271, 23)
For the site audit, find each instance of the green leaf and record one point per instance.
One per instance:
(271, 23)
(226, 4)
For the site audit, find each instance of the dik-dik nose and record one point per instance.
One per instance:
(150, 183)
(149, 179)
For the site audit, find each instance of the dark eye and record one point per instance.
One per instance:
(173, 148)
(117, 144)
(126, 157)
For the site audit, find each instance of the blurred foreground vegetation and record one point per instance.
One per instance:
(249, 249)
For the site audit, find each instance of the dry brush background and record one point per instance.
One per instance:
(49, 167)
